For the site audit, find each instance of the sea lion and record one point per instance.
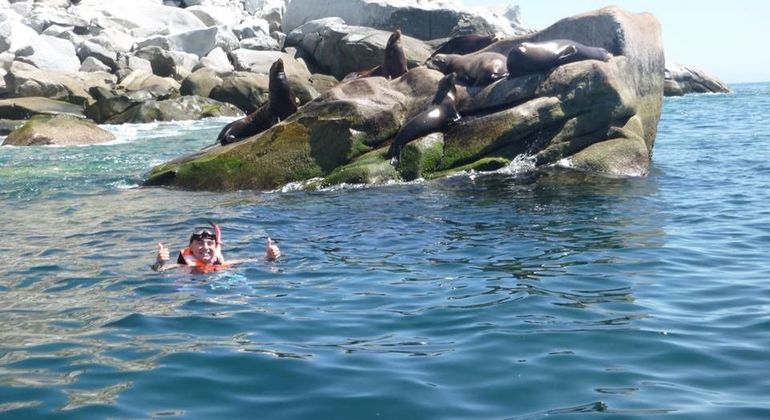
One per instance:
(536, 57)
(466, 44)
(280, 96)
(440, 114)
(393, 62)
(280, 105)
(478, 69)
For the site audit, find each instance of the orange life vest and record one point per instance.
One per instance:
(186, 257)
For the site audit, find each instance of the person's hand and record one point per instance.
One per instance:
(162, 256)
(272, 252)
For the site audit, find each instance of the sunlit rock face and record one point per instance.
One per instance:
(681, 80)
(591, 115)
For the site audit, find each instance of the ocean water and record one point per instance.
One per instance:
(513, 295)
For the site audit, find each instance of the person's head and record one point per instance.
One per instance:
(203, 244)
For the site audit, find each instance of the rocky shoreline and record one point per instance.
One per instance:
(109, 62)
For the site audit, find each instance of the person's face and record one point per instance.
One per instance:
(204, 249)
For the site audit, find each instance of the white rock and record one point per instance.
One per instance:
(217, 15)
(15, 35)
(216, 60)
(141, 17)
(54, 54)
(260, 43)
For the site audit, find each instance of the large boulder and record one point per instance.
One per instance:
(50, 53)
(338, 49)
(422, 20)
(15, 35)
(26, 108)
(27, 80)
(345, 122)
(61, 130)
(681, 80)
(247, 88)
(176, 109)
(141, 17)
(590, 115)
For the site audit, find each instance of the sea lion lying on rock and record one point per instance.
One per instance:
(280, 105)
(466, 44)
(393, 64)
(536, 57)
(478, 69)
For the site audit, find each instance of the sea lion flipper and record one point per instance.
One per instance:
(568, 51)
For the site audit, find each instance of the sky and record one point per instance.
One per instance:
(727, 40)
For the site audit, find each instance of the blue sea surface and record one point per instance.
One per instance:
(512, 295)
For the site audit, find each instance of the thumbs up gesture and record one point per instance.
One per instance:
(272, 252)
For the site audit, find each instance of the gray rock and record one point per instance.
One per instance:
(416, 19)
(201, 82)
(251, 27)
(246, 90)
(681, 80)
(26, 108)
(160, 59)
(594, 116)
(25, 80)
(176, 109)
(217, 15)
(183, 64)
(339, 49)
(61, 130)
(139, 80)
(128, 63)
(261, 43)
(91, 64)
(94, 50)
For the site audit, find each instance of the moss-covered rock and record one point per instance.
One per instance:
(590, 115)
(62, 130)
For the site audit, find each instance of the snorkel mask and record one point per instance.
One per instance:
(207, 232)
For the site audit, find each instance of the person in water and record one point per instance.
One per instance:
(204, 252)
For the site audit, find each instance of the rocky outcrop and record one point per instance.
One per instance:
(421, 20)
(589, 115)
(681, 80)
(61, 130)
(338, 49)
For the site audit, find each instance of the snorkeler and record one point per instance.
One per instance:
(204, 252)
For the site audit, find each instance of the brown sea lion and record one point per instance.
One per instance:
(393, 62)
(466, 44)
(440, 114)
(478, 69)
(536, 57)
(280, 105)
(280, 96)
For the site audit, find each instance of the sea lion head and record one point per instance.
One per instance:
(439, 62)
